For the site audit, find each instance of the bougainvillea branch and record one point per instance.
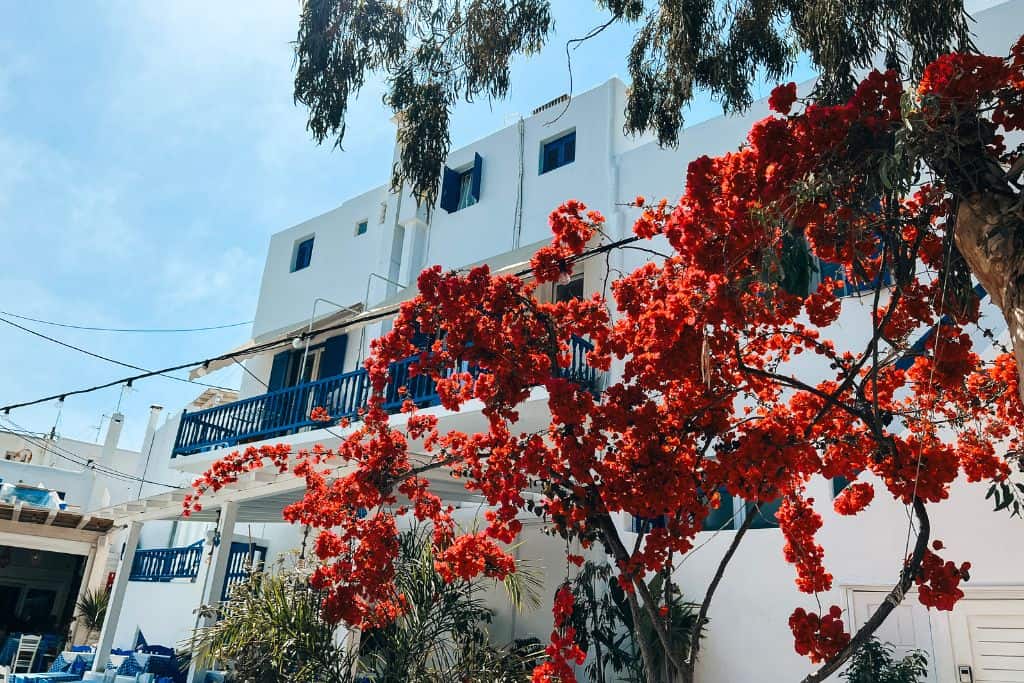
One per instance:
(711, 400)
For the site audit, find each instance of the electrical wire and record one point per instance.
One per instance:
(102, 357)
(64, 454)
(138, 330)
(267, 346)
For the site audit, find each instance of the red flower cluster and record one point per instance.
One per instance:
(938, 582)
(563, 650)
(782, 98)
(854, 498)
(962, 78)
(817, 637)
(799, 522)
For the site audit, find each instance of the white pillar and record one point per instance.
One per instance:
(117, 592)
(83, 587)
(216, 573)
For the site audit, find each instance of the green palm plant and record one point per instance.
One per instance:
(271, 630)
(92, 609)
(443, 635)
(606, 629)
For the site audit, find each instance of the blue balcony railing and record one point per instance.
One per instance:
(244, 558)
(167, 564)
(286, 411)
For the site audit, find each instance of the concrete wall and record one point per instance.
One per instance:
(338, 270)
(59, 465)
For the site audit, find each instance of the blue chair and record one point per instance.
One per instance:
(10, 646)
(59, 672)
(49, 644)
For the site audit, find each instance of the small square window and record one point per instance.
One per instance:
(466, 197)
(764, 514)
(362, 227)
(571, 291)
(303, 254)
(558, 152)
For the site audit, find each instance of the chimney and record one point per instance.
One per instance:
(113, 436)
(154, 415)
(147, 441)
(100, 496)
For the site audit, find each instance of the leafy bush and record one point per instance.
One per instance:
(92, 608)
(443, 636)
(271, 630)
(875, 662)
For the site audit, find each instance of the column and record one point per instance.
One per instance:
(117, 593)
(216, 573)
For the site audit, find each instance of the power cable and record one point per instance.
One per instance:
(102, 357)
(138, 330)
(267, 346)
(64, 454)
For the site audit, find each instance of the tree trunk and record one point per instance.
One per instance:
(989, 232)
(891, 602)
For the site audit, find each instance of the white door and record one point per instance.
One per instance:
(907, 627)
(988, 637)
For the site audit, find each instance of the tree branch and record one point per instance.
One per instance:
(611, 536)
(705, 606)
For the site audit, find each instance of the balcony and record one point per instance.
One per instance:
(286, 411)
(163, 565)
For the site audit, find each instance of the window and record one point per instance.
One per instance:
(461, 189)
(558, 152)
(322, 361)
(764, 514)
(572, 290)
(302, 254)
(852, 285)
(838, 484)
(362, 227)
(466, 197)
(643, 525)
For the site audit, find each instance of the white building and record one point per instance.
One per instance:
(358, 260)
(51, 548)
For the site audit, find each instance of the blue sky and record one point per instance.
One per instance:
(148, 151)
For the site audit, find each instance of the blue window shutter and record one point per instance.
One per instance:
(279, 371)
(332, 362)
(569, 148)
(450, 190)
(836, 272)
(478, 169)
